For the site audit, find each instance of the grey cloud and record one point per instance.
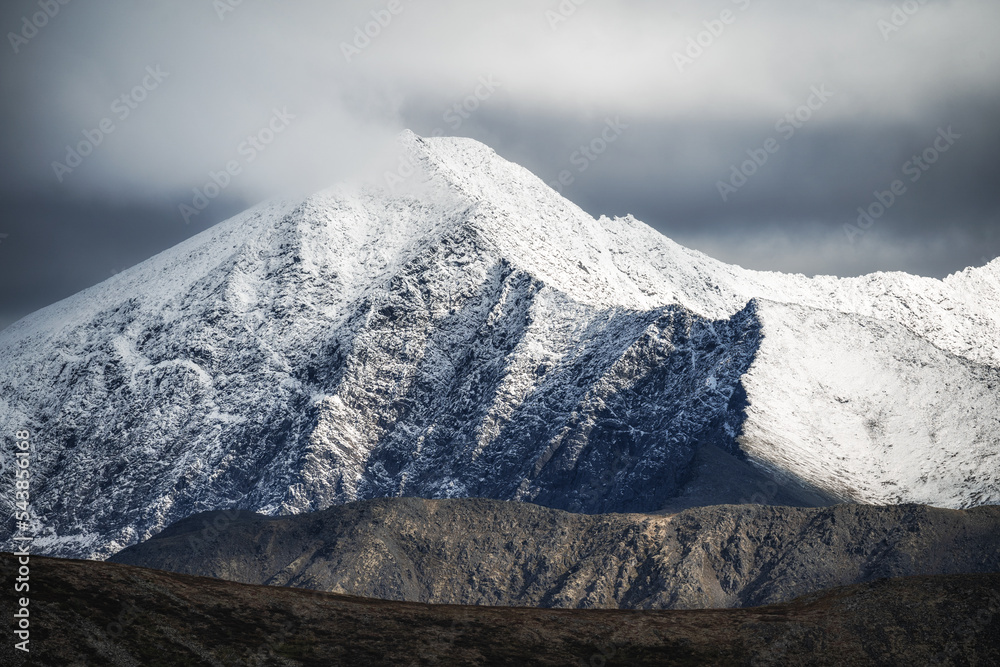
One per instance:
(559, 82)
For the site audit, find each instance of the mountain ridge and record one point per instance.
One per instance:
(485, 552)
(474, 333)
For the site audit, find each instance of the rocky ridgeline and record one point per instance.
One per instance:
(484, 552)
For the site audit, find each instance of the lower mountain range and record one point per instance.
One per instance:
(487, 552)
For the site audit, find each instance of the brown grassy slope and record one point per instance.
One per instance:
(91, 613)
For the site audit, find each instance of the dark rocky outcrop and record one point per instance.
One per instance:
(475, 551)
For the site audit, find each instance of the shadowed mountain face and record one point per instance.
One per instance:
(470, 333)
(90, 613)
(495, 553)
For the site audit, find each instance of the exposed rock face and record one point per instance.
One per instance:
(474, 334)
(116, 615)
(495, 553)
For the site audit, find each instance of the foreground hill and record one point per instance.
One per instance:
(505, 553)
(473, 334)
(116, 615)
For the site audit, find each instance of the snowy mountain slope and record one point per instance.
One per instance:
(881, 415)
(473, 333)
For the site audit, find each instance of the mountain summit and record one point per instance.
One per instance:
(469, 332)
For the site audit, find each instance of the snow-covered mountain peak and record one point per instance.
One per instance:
(463, 330)
(622, 262)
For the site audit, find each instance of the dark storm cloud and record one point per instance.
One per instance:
(791, 213)
(202, 83)
(63, 244)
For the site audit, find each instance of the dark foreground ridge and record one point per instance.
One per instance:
(92, 613)
(487, 552)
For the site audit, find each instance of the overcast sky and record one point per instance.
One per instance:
(695, 88)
